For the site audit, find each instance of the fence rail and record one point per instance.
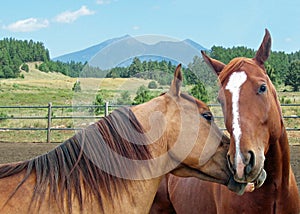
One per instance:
(105, 109)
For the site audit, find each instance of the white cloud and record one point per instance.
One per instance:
(136, 27)
(69, 16)
(288, 39)
(103, 1)
(27, 25)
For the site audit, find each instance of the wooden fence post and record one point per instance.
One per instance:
(106, 109)
(49, 122)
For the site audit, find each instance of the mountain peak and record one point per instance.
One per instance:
(117, 50)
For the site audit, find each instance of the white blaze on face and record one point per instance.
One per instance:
(236, 80)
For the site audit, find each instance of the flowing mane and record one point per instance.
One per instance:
(76, 162)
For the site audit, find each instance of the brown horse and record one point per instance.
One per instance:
(258, 147)
(116, 164)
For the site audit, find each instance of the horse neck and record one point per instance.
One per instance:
(152, 117)
(278, 154)
(277, 162)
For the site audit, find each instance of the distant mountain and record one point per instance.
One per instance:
(86, 54)
(120, 52)
(195, 44)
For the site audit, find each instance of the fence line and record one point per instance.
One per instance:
(106, 108)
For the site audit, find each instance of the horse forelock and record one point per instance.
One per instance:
(233, 66)
(74, 168)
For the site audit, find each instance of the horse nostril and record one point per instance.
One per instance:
(251, 163)
(248, 169)
(232, 169)
(252, 158)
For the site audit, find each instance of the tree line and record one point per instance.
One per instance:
(71, 69)
(283, 68)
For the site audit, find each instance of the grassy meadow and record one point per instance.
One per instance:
(39, 88)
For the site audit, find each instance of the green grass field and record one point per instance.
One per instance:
(39, 88)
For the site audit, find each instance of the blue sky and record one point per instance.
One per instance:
(70, 25)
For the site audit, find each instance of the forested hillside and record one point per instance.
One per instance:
(283, 68)
(13, 53)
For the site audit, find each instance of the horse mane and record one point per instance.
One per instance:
(85, 161)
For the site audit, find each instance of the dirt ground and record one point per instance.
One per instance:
(12, 152)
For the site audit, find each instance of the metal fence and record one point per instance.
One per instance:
(105, 109)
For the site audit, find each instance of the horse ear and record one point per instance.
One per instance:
(215, 65)
(176, 83)
(264, 50)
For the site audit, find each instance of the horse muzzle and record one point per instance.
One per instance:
(241, 188)
(247, 167)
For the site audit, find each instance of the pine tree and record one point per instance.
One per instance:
(135, 67)
(293, 76)
(199, 92)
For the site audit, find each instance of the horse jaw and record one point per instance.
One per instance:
(231, 184)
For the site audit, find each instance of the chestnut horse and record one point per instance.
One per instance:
(116, 164)
(259, 147)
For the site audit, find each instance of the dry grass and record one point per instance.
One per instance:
(38, 88)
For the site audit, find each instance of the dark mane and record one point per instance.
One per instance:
(86, 161)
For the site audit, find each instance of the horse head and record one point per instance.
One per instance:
(251, 111)
(195, 144)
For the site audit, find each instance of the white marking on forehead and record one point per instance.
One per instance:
(236, 80)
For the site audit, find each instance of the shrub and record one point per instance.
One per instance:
(3, 116)
(43, 67)
(76, 86)
(143, 95)
(99, 101)
(124, 99)
(25, 67)
(16, 86)
(152, 84)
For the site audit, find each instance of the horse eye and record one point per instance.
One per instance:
(207, 116)
(262, 89)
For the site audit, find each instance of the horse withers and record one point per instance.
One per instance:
(116, 164)
(258, 152)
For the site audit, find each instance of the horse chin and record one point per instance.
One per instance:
(241, 188)
(260, 179)
(238, 188)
